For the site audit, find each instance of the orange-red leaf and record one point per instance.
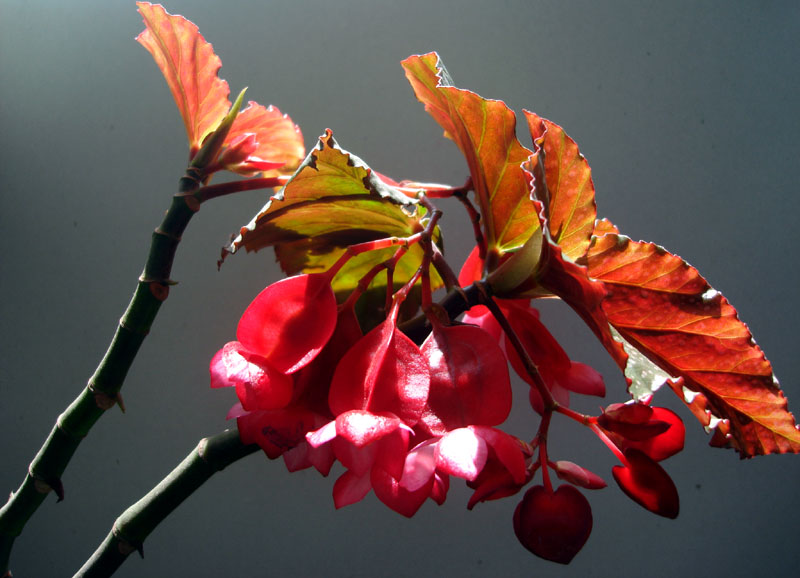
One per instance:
(279, 139)
(570, 209)
(484, 130)
(663, 307)
(190, 67)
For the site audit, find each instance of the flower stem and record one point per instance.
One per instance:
(102, 391)
(127, 535)
(530, 366)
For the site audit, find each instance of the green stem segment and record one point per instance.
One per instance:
(102, 390)
(130, 530)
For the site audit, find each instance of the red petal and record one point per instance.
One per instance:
(290, 321)
(419, 466)
(647, 484)
(394, 495)
(469, 378)
(384, 372)
(265, 388)
(554, 526)
(665, 444)
(350, 488)
(583, 379)
(362, 427)
(632, 421)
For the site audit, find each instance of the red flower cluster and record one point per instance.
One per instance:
(403, 418)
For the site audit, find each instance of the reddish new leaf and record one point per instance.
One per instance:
(190, 67)
(279, 140)
(570, 207)
(663, 307)
(484, 130)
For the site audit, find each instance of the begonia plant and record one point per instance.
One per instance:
(378, 352)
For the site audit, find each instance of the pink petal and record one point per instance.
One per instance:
(575, 474)
(350, 488)
(323, 435)
(236, 411)
(461, 453)
(362, 427)
(419, 466)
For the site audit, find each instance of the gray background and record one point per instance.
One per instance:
(686, 111)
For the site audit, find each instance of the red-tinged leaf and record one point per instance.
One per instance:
(484, 130)
(571, 208)
(553, 525)
(647, 484)
(392, 493)
(470, 384)
(279, 140)
(662, 307)
(384, 372)
(332, 201)
(290, 321)
(576, 475)
(190, 67)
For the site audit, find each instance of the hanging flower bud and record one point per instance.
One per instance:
(553, 525)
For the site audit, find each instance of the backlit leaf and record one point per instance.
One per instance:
(484, 130)
(190, 67)
(279, 139)
(335, 200)
(570, 209)
(662, 306)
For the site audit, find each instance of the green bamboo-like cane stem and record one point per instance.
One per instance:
(130, 530)
(102, 391)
